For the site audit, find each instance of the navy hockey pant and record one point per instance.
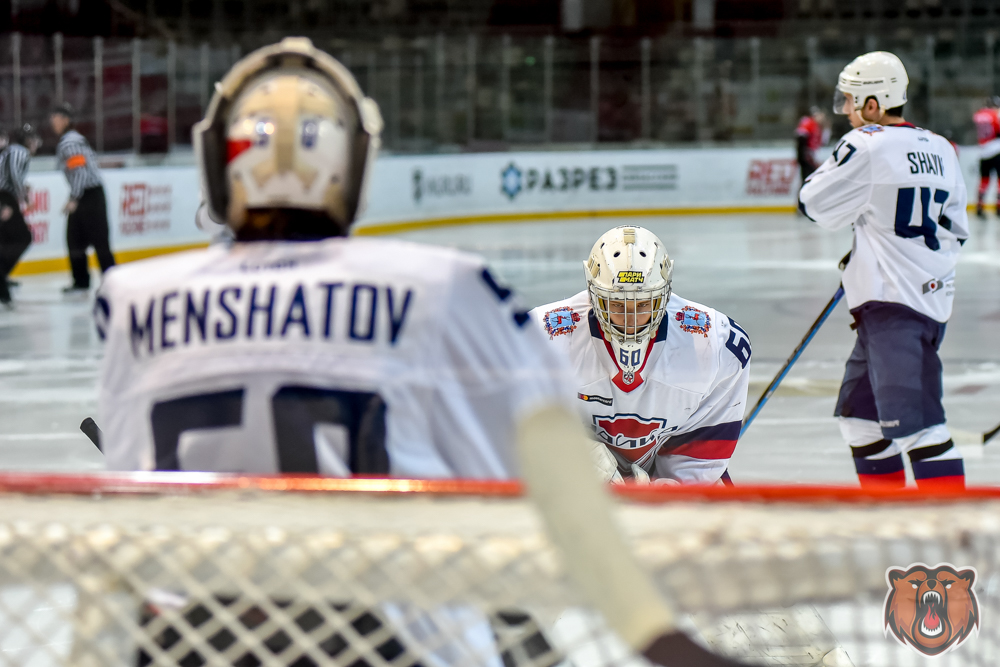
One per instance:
(88, 226)
(893, 378)
(15, 237)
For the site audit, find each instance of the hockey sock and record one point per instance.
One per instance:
(874, 472)
(984, 185)
(938, 467)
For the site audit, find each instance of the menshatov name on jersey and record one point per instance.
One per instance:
(357, 312)
(925, 163)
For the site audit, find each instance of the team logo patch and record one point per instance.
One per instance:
(633, 436)
(872, 129)
(931, 609)
(559, 321)
(590, 398)
(630, 277)
(694, 321)
(932, 285)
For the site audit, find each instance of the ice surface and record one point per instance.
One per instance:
(771, 273)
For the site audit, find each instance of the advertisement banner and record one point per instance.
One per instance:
(511, 185)
(147, 208)
(154, 208)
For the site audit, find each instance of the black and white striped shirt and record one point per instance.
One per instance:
(78, 163)
(13, 169)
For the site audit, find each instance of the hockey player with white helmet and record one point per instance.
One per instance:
(663, 380)
(901, 187)
(294, 348)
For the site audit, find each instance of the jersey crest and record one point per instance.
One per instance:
(631, 435)
(872, 129)
(559, 321)
(694, 321)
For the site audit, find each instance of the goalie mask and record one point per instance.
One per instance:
(287, 128)
(628, 277)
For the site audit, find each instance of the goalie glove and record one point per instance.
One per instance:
(605, 463)
(639, 476)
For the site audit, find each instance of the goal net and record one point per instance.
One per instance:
(198, 569)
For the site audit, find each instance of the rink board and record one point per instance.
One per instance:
(151, 210)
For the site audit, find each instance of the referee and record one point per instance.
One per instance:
(87, 210)
(15, 237)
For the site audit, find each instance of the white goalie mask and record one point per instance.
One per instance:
(287, 128)
(628, 276)
(878, 74)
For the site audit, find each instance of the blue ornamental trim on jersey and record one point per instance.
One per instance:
(872, 129)
(694, 321)
(560, 321)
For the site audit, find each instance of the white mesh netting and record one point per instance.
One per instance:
(143, 574)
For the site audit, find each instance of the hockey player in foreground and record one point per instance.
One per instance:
(298, 350)
(663, 380)
(901, 188)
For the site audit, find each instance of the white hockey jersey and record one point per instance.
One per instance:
(681, 417)
(902, 189)
(342, 356)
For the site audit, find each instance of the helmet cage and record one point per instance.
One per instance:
(601, 298)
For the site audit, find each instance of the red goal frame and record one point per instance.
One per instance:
(175, 483)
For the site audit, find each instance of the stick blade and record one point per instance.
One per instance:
(92, 431)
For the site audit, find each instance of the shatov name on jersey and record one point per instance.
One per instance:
(357, 312)
(925, 163)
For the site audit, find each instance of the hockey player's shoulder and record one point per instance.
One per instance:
(860, 139)
(157, 271)
(711, 332)
(691, 319)
(560, 319)
(432, 263)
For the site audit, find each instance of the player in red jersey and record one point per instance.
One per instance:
(987, 122)
(812, 132)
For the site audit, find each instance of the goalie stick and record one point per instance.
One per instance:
(577, 512)
(796, 353)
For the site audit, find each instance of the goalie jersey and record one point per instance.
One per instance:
(341, 356)
(681, 416)
(902, 189)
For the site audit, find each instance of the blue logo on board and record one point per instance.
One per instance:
(510, 180)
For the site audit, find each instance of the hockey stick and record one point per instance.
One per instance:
(91, 430)
(577, 512)
(771, 388)
(971, 437)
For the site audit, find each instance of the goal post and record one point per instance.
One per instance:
(206, 569)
